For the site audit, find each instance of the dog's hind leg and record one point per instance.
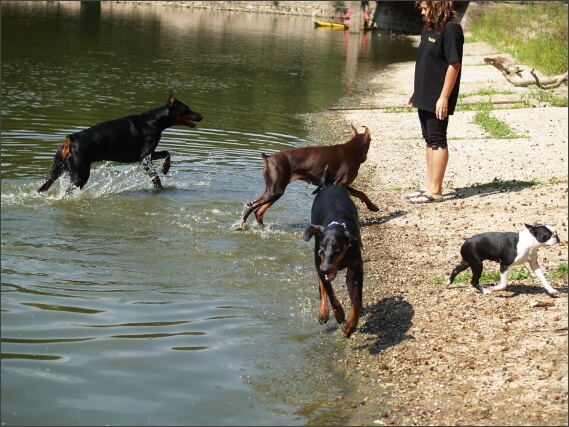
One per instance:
(364, 198)
(259, 207)
(277, 177)
(260, 212)
(79, 174)
(477, 267)
(457, 270)
(58, 166)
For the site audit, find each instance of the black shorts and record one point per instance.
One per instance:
(434, 130)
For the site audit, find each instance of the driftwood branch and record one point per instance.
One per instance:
(514, 74)
(388, 107)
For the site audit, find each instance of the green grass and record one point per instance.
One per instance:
(486, 92)
(544, 96)
(560, 272)
(498, 183)
(535, 33)
(494, 127)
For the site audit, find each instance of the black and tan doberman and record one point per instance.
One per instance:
(337, 246)
(127, 140)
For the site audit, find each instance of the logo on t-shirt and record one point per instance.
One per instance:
(432, 40)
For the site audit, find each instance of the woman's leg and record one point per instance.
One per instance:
(436, 153)
(439, 161)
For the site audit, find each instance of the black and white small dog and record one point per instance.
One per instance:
(507, 248)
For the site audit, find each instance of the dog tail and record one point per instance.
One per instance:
(324, 181)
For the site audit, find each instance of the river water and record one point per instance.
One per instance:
(123, 305)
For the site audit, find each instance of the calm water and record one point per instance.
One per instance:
(123, 305)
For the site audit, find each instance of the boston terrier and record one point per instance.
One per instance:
(507, 248)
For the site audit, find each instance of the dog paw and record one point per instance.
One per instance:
(348, 331)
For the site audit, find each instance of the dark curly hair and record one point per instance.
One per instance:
(439, 14)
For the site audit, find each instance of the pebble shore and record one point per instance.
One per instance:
(425, 354)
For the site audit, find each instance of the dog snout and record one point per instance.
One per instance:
(189, 119)
(329, 271)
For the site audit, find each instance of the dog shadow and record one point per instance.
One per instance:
(382, 219)
(388, 320)
(514, 290)
(488, 189)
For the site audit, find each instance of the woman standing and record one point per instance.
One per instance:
(437, 82)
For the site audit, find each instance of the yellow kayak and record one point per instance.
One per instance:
(331, 25)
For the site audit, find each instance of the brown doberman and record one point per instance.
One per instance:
(308, 164)
(127, 140)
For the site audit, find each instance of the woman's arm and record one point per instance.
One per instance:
(441, 108)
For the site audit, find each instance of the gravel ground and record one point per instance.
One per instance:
(425, 354)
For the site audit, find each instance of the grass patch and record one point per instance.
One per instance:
(400, 110)
(498, 183)
(544, 96)
(533, 32)
(486, 92)
(491, 125)
(556, 180)
(559, 272)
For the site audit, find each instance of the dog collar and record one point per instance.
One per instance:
(337, 223)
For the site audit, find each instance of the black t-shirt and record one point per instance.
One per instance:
(435, 53)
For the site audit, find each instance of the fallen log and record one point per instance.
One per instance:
(386, 107)
(513, 74)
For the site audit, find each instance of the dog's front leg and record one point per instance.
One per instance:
(162, 155)
(327, 294)
(354, 282)
(323, 311)
(147, 163)
(539, 274)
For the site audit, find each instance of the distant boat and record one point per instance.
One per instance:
(331, 25)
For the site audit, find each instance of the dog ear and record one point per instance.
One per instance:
(312, 230)
(354, 130)
(171, 98)
(353, 238)
(530, 228)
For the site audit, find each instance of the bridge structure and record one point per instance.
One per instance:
(394, 17)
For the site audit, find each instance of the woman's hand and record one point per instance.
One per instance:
(441, 108)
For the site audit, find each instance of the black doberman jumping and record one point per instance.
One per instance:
(127, 140)
(337, 245)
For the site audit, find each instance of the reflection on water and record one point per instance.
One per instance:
(126, 305)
